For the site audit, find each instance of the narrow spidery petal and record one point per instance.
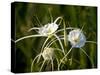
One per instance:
(33, 29)
(26, 37)
(60, 43)
(44, 43)
(34, 61)
(51, 42)
(69, 28)
(91, 42)
(57, 19)
(65, 56)
(42, 65)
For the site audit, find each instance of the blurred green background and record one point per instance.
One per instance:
(26, 15)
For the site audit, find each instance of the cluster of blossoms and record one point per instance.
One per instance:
(76, 38)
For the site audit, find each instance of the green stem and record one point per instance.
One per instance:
(52, 40)
(65, 35)
(44, 43)
(63, 29)
(60, 43)
(65, 56)
(92, 63)
(57, 19)
(42, 65)
(34, 61)
(52, 64)
(91, 42)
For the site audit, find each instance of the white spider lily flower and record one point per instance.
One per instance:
(77, 38)
(48, 29)
(43, 31)
(48, 53)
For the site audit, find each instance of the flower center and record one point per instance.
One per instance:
(76, 40)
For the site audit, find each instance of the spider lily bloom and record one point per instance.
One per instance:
(48, 29)
(77, 38)
(48, 53)
(43, 31)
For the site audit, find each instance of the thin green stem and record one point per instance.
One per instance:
(38, 58)
(63, 29)
(44, 43)
(43, 46)
(82, 28)
(71, 60)
(34, 61)
(92, 63)
(48, 45)
(51, 16)
(91, 42)
(53, 40)
(60, 43)
(57, 19)
(65, 34)
(42, 65)
(38, 21)
(57, 63)
(52, 64)
(60, 22)
(65, 56)
(57, 49)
